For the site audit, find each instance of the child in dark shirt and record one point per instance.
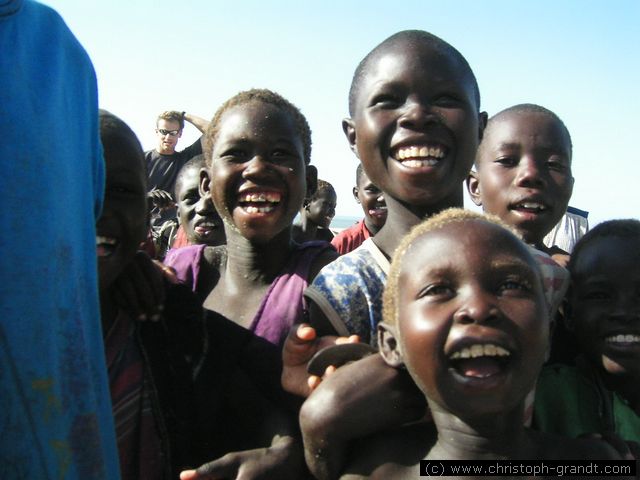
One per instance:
(315, 217)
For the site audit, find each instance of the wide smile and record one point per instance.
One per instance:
(622, 342)
(259, 202)
(480, 360)
(529, 207)
(378, 212)
(106, 246)
(417, 156)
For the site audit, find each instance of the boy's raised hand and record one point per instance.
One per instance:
(299, 348)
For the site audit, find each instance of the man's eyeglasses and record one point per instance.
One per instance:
(171, 133)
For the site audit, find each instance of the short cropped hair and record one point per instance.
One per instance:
(172, 116)
(359, 172)
(196, 162)
(407, 36)
(265, 96)
(323, 186)
(438, 221)
(117, 137)
(524, 108)
(628, 228)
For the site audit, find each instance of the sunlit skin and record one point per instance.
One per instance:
(605, 310)
(371, 198)
(167, 143)
(322, 208)
(257, 152)
(489, 293)
(524, 173)
(413, 95)
(197, 215)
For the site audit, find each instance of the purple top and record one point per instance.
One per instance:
(282, 306)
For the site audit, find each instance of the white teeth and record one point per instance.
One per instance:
(420, 152)
(271, 197)
(265, 209)
(532, 206)
(419, 163)
(481, 350)
(105, 240)
(621, 338)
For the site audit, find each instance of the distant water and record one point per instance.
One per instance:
(343, 221)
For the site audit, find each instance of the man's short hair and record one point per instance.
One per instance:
(172, 116)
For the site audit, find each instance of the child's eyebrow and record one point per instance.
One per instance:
(514, 265)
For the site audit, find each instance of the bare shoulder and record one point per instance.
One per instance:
(393, 454)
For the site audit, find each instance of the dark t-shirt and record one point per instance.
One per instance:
(162, 170)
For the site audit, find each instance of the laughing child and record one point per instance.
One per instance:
(165, 400)
(600, 393)
(472, 331)
(371, 199)
(415, 132)
(524, 172)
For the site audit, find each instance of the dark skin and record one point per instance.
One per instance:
(492, 295)
(604, 304)
(315, 217)
(524, 174)
(371, 198)
(259, 182)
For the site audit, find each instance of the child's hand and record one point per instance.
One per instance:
(282, 461)
(160, 199)
(139, 289)
(299, 347)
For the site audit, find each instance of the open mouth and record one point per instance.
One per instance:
(380, 211)
(205, 228)
(419, 156)
(530, 207)
(259, 202)
(481, 360)
(105, 246)
(623, 340)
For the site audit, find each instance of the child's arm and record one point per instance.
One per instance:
(358, 399)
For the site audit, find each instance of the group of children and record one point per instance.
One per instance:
(461, 306)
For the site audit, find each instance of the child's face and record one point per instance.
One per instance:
(196, 214)
(258, 171)
(605, 304)
(524, 173)
(322, 208)
(416, 124)
(371, 198)
(123, 223)
(472, 325)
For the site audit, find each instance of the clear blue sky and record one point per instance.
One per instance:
(579, 58)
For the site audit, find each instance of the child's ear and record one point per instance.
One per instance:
(204, 187)
(312, 180)
(388, 345)
(473, 187)
(355, 194)
(482, 124)
(349, 129)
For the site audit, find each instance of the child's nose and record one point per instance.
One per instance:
(529, 173)
(204, 205)
(477, 306)
(256, 166)
(417, 115)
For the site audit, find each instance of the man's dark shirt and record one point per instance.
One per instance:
(162, 170)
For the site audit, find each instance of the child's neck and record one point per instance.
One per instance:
(250, 264)
(401, 217)
(308, 226)
(490, 437)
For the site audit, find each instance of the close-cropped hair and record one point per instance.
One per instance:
(436, 222)
(410, 36)
(196, 163)
(171, 116)
(265, 96)
(628, 228)
(323, 186)
(523, 108)
(116, 136)
(359, 172)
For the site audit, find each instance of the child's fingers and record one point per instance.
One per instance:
(305, 332)
(350, 339)
(188, 475)
(313, 381)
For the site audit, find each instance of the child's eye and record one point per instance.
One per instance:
(557, 164)
(446, 101)
(516, 285)
(385, 100)
(436, 290)
(599, 295)
(507, 161)
(235, 154)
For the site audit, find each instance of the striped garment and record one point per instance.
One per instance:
(137, 436)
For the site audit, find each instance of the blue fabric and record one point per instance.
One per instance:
(55, 411)
(352, 287)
